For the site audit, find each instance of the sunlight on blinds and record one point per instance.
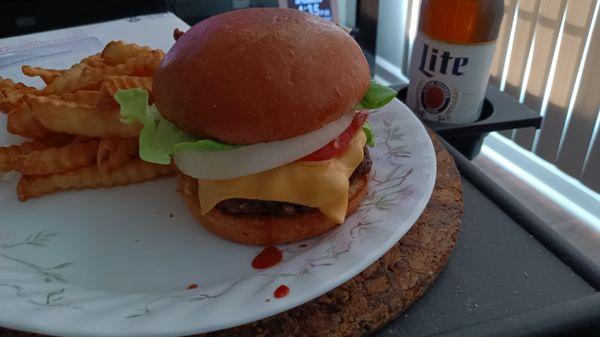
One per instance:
(546, 66)
(543, 63)
(502, 43)
(548, 57)
(582, 112)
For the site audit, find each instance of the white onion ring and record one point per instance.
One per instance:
(250, 159)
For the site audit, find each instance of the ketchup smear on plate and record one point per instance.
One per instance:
(281, 291)
(268, 257)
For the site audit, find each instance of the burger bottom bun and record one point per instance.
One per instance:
(260, 229)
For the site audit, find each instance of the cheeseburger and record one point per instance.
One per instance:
(263, 112)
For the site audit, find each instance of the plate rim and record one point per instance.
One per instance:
(278, 307)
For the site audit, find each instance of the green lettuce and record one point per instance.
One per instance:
(369, 132)
(377, 96)
(159, 138)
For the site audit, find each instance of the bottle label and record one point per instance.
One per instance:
(448, 81)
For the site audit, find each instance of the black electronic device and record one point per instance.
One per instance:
(324, 8)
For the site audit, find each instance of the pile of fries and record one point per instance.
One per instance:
(77, 137)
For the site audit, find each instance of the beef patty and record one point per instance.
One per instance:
(252, 206)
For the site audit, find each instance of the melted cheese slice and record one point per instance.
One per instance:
(320, 184)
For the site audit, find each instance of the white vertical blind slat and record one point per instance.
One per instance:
(523, 37)
(580, 127)
(502, 43)
(544, 44)
(411, 7)
(590, 175)
(503, 47)
(579, 15)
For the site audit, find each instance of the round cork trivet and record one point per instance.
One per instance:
(383, 291)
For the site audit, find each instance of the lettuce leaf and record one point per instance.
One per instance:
(377, 96)
(369, 132)
(159, 138)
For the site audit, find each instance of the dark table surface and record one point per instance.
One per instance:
(497, 269)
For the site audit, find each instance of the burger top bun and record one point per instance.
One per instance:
(260, 75)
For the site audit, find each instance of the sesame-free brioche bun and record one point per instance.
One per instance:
(260, 75)
(261, 229)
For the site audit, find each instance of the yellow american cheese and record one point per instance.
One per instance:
(321, 184)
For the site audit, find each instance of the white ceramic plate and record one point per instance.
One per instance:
(117, 262)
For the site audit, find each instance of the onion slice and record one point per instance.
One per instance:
(250, 159)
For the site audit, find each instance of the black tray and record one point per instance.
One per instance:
(510, 275)
(500, 112)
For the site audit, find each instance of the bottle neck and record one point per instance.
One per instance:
(461, 21)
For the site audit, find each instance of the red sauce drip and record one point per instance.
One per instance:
(269, 257)
(177, 34)
(192, 286)
(281, 291)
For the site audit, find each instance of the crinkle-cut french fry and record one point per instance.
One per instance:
(115, 152)
(47, 75)
(113, 84)
(56, 139)
(11, 94)
(135, 171)
(92, 77)
(86, 97)
(117, 52)
(82, 120)
(66, 80)
(10, 85)
(144, 65)
(21, 122)
(94, 61)
(57, 160)
(10, 154)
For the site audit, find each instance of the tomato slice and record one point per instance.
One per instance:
(339, 144)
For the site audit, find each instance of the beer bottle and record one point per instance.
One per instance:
(451, 58)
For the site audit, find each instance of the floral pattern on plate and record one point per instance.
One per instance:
(112, 263)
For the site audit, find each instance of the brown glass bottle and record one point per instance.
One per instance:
(451, 57)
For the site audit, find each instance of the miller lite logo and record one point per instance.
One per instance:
(432, 61)
(435, 97)
(447, 81)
